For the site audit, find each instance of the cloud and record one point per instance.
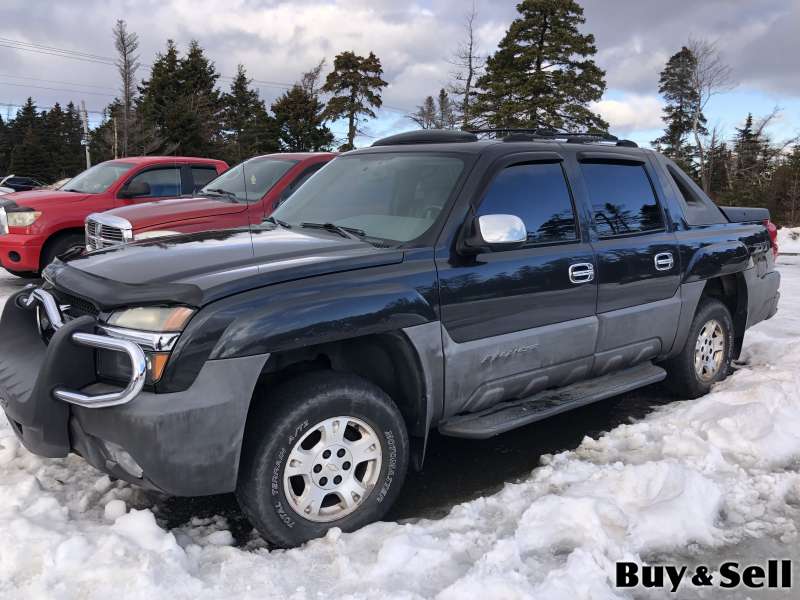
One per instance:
(630, 113)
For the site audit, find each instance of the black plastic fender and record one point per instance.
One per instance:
(715, 260)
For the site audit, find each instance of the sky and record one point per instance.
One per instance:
(276, 40)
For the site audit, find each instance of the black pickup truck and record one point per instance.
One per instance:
(434, 280)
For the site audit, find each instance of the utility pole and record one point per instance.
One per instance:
(85, 141)
(115, 138)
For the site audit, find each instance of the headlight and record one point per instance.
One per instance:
(3, 221)
(146, 235)
(161, 319)
(22, 219)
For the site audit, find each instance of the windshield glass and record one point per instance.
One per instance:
(249, 181)
(393, 197)
(98, 179)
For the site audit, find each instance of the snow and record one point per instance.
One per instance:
(789, 240)
(714, 478)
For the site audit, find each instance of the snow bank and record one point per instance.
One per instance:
(789, 240)
(692, 477)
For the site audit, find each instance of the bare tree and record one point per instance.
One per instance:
(310, 80)
(425, 115)
(468, 66)
(127, 62)
(710, 76)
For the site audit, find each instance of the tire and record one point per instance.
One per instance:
(59, 246)
(24, 274)
(684, 379)
(292, 418)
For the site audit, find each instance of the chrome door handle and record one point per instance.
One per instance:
(581, 272)
(664, 261)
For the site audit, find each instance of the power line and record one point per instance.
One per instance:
(81, 83)
(109, 61)
(11, 105)
(54, 89)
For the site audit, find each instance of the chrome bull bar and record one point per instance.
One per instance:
(132, 350)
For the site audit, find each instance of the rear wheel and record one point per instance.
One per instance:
(706, 357)
(327, 450)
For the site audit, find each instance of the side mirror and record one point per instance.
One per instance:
(135, 189)
(495, 233)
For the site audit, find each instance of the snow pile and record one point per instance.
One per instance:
(691, 477)
(789, 240)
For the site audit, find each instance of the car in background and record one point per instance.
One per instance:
(19, 184)
(38, 225)
(56, 185)
(244, 195)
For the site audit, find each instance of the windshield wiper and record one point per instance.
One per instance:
(348, 232)
(283, 224)
(221, 192)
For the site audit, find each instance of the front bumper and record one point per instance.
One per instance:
(20, 252)
(186, 443)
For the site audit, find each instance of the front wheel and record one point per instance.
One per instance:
(326, 450)
(706, 357)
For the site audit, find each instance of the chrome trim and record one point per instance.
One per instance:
(502, 229)
(50, 307)
(159, 342)
(135, 385)
(95, 226)
(664, 261)
(581, 272)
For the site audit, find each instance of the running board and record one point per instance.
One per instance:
(516, 413)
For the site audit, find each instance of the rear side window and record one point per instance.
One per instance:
(622, 197)
(202, 175)
(538, 194)
(164, 183)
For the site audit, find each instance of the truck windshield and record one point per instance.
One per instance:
(99, 178)
(248, 181)
(394, 197)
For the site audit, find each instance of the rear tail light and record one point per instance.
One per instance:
(773, 236)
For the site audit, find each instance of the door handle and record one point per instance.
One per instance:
(664, 261)
(581, 272)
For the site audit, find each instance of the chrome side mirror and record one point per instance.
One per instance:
(495, 233)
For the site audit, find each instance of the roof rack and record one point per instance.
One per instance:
(427, 136)
(570, 137)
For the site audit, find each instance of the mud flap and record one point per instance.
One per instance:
(29, 372)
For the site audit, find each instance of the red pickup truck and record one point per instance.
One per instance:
(245, 194)
(38, 225)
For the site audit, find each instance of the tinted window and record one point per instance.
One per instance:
(391, 196)
(202, 175)
(689, 195)
(164, 183)
(304, 176)
(537, 194)
(622, 199)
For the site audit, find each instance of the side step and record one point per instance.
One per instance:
(516, 413)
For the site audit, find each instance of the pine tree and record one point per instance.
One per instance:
(28, 157)
(436, 114)
(248, 128)
(356, 83)
(299, 116)
(200, 123)
(682, 101)
(74, 159)
(4, 147)
(543, 74)
(159, 103)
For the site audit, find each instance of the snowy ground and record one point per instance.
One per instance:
(701, 481)
(789, 240)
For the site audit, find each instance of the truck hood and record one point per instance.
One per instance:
(199, 268)
(40, 199)
(175, 210)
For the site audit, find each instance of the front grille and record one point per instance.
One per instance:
(73, 306)
(103, 235)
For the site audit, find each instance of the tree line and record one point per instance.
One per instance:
(542, 76)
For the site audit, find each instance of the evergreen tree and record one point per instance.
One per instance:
(543, 74)
(248, 128)
(356, 83)
(299, 117)
(28, 157)
(425, 115)
(73, 160)
(4, 147)
(159, 103)
(199, 126)
(682, 102)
